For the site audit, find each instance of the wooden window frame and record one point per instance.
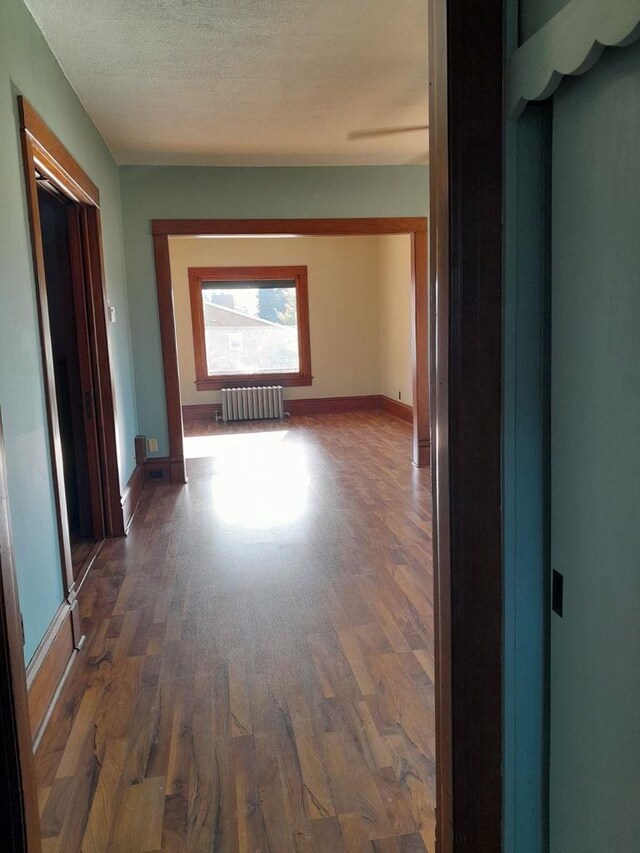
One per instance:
(297, 274)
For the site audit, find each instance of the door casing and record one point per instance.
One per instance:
(44, 155)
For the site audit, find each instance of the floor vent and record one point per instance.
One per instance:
(252, 404)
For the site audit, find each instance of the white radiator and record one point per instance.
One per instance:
(250, 404)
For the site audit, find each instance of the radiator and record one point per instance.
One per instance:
(250, 404)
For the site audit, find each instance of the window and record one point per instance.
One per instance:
(250, 324)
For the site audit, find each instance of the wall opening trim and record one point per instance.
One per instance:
(162, 229)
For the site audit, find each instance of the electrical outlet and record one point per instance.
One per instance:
(153, 445)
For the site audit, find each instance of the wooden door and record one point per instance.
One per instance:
(86, 372)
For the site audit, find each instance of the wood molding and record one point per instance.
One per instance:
(287, 380)
(352, 227)
(297, 274)
(309, 406)
(57, 466)
(141, 449)
(40, 144)
(439, 405)
(316, 406)
(200, 412)
(105, 394)
(416, 226)
(420, 349)
(169, 347)
(158, 469)
(332, 405)
(396, 408)
(132, 494)
(165, 469)
(48, 668)
(53, 158)
(466, 103)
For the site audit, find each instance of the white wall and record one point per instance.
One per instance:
(394, 266)
(352, 346)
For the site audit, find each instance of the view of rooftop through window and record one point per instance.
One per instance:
(250, 327)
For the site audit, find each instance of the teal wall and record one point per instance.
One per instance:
(572, 693)
(525, 491)
(595, 453)
(535, 13)
(28, 67)
(166, 192)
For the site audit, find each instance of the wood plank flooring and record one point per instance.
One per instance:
(258, 671)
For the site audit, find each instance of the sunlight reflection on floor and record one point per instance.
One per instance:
(260, 480)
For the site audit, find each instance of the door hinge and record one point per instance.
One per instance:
(22, 628)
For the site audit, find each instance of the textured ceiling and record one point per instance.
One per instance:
(246, 82)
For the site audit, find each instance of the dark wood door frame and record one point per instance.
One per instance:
(162, 229)
(45, 156)
(18, 793)
(466, 240)
(83, 334)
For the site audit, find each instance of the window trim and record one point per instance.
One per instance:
(298, 274)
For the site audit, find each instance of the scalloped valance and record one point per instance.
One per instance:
(570, 43)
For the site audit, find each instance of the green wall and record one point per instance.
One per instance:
(535, 14)
(525, 489)
(595, 458)
(28, 67)
(166, 192)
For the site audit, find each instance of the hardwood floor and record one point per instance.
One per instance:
(83, 552)
(258, 671)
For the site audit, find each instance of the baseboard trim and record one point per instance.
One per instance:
(165, 469)
(157, 469)
(422, 454)
(48, 669)
(396, 408)
(132, 494)
(315, 406)
(333, 405)
(201, 412)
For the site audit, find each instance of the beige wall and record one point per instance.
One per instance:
(395, 317)
(359, 308)
(344, 306)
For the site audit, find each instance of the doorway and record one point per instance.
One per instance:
(64, 218)
(73, 374)
(173, 466)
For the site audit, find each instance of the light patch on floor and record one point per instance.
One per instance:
(261, 480)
